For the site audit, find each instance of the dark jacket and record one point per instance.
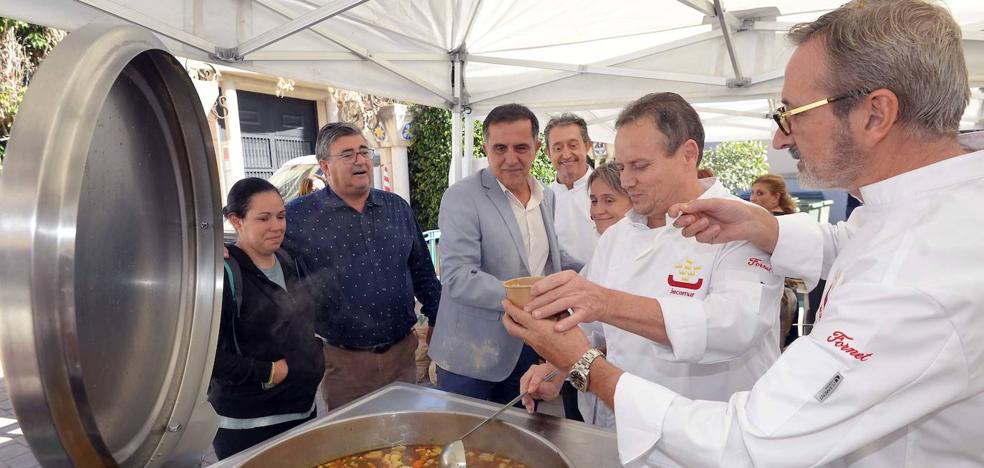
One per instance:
(272, 324)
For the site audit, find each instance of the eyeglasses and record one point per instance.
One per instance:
(350, 155)
(781, 115)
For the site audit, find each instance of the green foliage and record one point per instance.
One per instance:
(736, 163)
(22, 47)
(430, 159)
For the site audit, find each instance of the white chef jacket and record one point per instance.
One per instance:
(576, 232)
(720, 306)
(531, 227)
(892, 374)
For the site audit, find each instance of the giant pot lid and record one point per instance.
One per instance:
(109, 272)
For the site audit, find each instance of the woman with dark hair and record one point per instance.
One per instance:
(769, 192)
(269, 362)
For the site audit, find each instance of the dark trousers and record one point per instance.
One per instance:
(229, 442)
(498, 392)
(568, 394)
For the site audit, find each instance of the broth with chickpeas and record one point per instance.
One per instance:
(417, 456)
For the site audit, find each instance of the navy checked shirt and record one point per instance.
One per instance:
(366, 267)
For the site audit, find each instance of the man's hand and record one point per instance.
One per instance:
(562, 349)
(717, 221)
(567, 290)
(532, 382)
(279, 371)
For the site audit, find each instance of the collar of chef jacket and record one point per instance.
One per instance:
(712, 189)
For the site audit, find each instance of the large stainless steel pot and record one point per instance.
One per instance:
(354, 435)
(109, 263)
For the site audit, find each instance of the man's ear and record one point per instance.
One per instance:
(879, 112)
(323, 164)
(690, 151)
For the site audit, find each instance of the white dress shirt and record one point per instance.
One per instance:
(892, 374)
(531, 226)
(576, 232)
(720, 305)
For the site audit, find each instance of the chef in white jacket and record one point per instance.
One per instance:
(568, 145)
(717, 304)
(892, 375)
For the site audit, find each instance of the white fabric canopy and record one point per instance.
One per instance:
(584, 56)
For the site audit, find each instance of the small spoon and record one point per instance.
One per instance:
(453, 454)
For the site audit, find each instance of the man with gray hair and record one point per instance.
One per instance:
(365, 248)
(891, 374)
(568, 146)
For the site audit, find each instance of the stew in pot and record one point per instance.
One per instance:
(417, 456)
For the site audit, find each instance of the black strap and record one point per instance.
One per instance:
(235, 275)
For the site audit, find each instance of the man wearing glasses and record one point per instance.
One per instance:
(368, 260)
(893, 372)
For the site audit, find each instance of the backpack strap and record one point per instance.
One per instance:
(235, 275)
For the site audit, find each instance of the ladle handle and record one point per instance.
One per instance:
(548, 378)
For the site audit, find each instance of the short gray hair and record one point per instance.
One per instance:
(328, 134)
(565, 119)
(911, 47)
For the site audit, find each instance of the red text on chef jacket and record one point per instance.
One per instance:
(841, 341)
(755, 262)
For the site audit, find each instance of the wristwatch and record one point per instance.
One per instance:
(579, 371)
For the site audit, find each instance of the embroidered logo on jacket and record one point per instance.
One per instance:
(757, 262)
(841, 341)
(687, 277)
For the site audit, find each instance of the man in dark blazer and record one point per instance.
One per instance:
(495, 225)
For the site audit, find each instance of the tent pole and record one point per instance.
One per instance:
(357, 49)
(740, 79)
(469, 151)
(295, 25)
(455, 146)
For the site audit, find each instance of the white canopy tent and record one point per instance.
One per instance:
(585, 56)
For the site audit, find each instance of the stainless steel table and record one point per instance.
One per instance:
(585, 445)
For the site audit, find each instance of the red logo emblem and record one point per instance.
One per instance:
(755, 262)
(841, 341)
(684, 277)
(680, 284)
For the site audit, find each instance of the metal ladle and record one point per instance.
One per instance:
(453, 454)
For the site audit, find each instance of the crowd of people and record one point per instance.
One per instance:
(661, 294)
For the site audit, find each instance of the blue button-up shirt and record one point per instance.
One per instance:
(366, 267)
